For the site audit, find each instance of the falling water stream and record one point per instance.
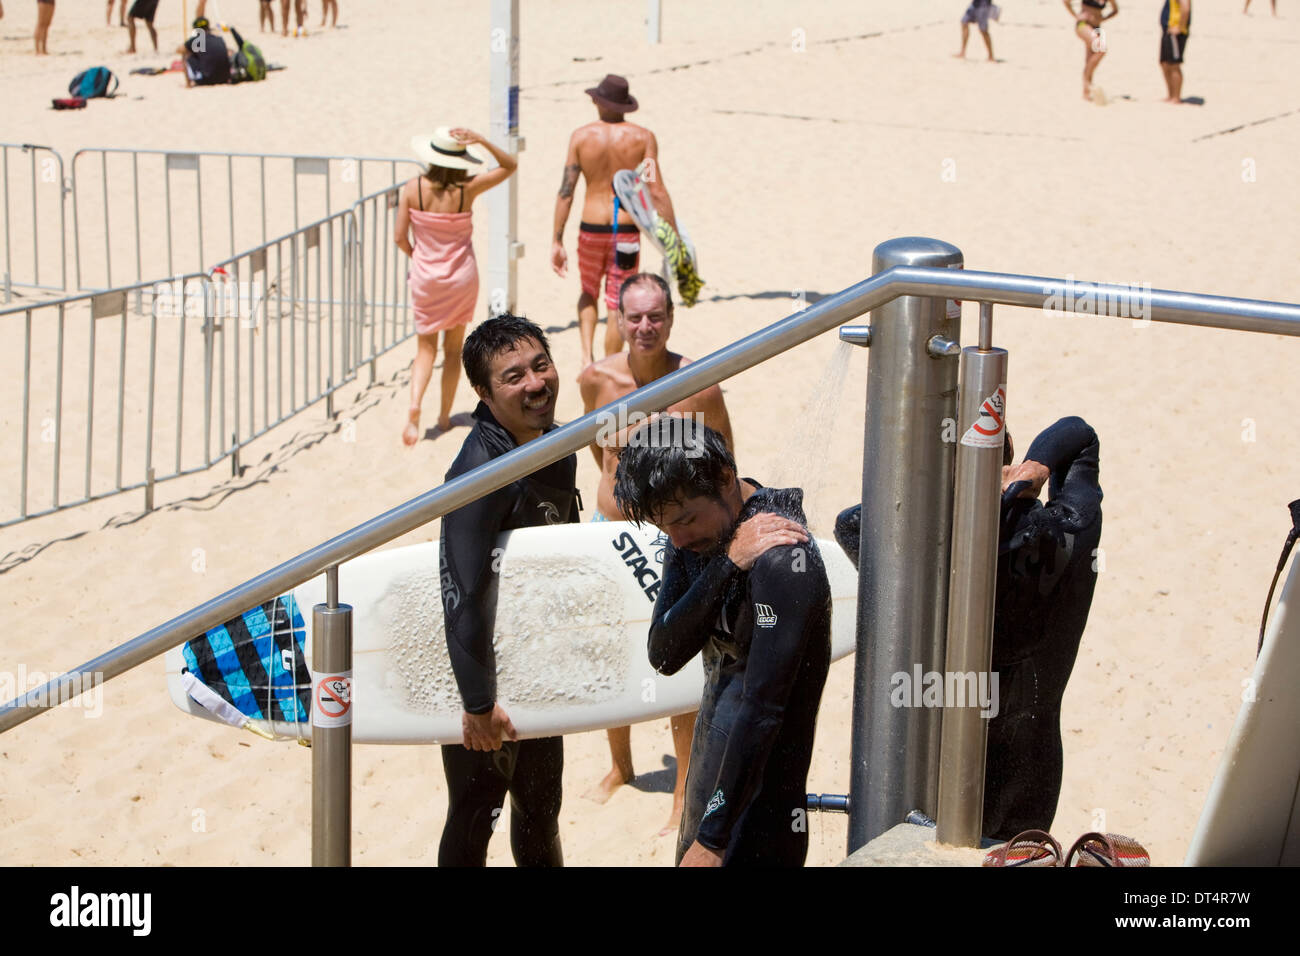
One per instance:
(813, 434)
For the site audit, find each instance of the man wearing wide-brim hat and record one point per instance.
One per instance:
(605, 250)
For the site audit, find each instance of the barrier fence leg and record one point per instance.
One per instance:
(331, 731)
(504, 130)
(969, 656)
(907, 480)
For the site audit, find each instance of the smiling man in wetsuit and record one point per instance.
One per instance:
(743, 583)
(508, 362)
(1045, 581)
(597, 151)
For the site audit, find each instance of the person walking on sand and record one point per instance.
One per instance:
(1087, 25)
(142, 10)
(1272, 5)
(645, 319)
(265, 16)
(121, 13)
(299, 14)
(44, 17)
(326, 6)
(978, 13)
(597, 151)
(1175, 24)
(435, 208)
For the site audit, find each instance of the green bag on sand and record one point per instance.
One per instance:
(247, 65)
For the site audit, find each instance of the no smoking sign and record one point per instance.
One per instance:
(332, 696)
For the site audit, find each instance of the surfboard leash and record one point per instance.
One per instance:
(1281, 563)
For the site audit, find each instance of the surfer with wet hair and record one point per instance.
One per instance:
(508, 362)
(743, 584)
(1047, 571)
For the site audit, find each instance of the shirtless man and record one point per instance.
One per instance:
(599, 150)
(644, 317)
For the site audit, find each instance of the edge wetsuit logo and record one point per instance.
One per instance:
(765, 615)
(716, 802)
(550, 512)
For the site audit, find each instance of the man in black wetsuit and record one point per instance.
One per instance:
(1045, 581)
(508, 362)
(744, 583)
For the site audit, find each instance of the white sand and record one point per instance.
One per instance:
(787, 167)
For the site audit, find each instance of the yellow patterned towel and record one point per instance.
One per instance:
(689, 282)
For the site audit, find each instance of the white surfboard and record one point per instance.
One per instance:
(633, 194)
(1252, 812)
(573, 612)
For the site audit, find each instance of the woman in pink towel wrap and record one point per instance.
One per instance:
(434, 212)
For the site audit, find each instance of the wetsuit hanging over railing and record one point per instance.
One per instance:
(1047, 561)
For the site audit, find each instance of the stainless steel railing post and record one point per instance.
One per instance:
(903, 575)
(331, 728)
(970, 689)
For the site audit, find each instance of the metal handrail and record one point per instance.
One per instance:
(1026, 291)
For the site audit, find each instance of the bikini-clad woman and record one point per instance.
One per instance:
(1087, 25)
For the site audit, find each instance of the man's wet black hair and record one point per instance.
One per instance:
(666, 461)
(498, 334)
(647, 278)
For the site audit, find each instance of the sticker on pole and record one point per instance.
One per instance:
(988, 430)
(332, 694)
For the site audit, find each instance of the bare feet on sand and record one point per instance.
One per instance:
(411, 433)
(602, 791)
(674, 819)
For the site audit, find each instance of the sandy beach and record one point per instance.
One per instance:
(792, 143)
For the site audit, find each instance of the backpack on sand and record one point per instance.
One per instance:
(94, 82)
(247, 65)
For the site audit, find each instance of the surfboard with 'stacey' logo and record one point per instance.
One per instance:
(573, 612)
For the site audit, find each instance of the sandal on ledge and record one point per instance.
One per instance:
(1031, 848)
(1107, 849)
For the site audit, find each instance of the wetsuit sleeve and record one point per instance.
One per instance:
(792, 600)
(468, 596)
(685, 610)
(1071, 451)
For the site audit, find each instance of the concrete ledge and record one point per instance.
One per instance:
(911, 845)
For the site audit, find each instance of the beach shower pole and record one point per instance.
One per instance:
(503, 202)
(331, 728)
(907, 483)
(975, 512)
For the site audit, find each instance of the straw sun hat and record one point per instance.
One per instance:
(440, 148)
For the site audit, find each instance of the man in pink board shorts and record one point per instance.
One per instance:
(605, 250)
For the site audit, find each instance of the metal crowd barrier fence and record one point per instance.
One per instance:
(31, 178)
(286, 314)
(912, 297)
(384, 318)
(111, 417)
(211, 204)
